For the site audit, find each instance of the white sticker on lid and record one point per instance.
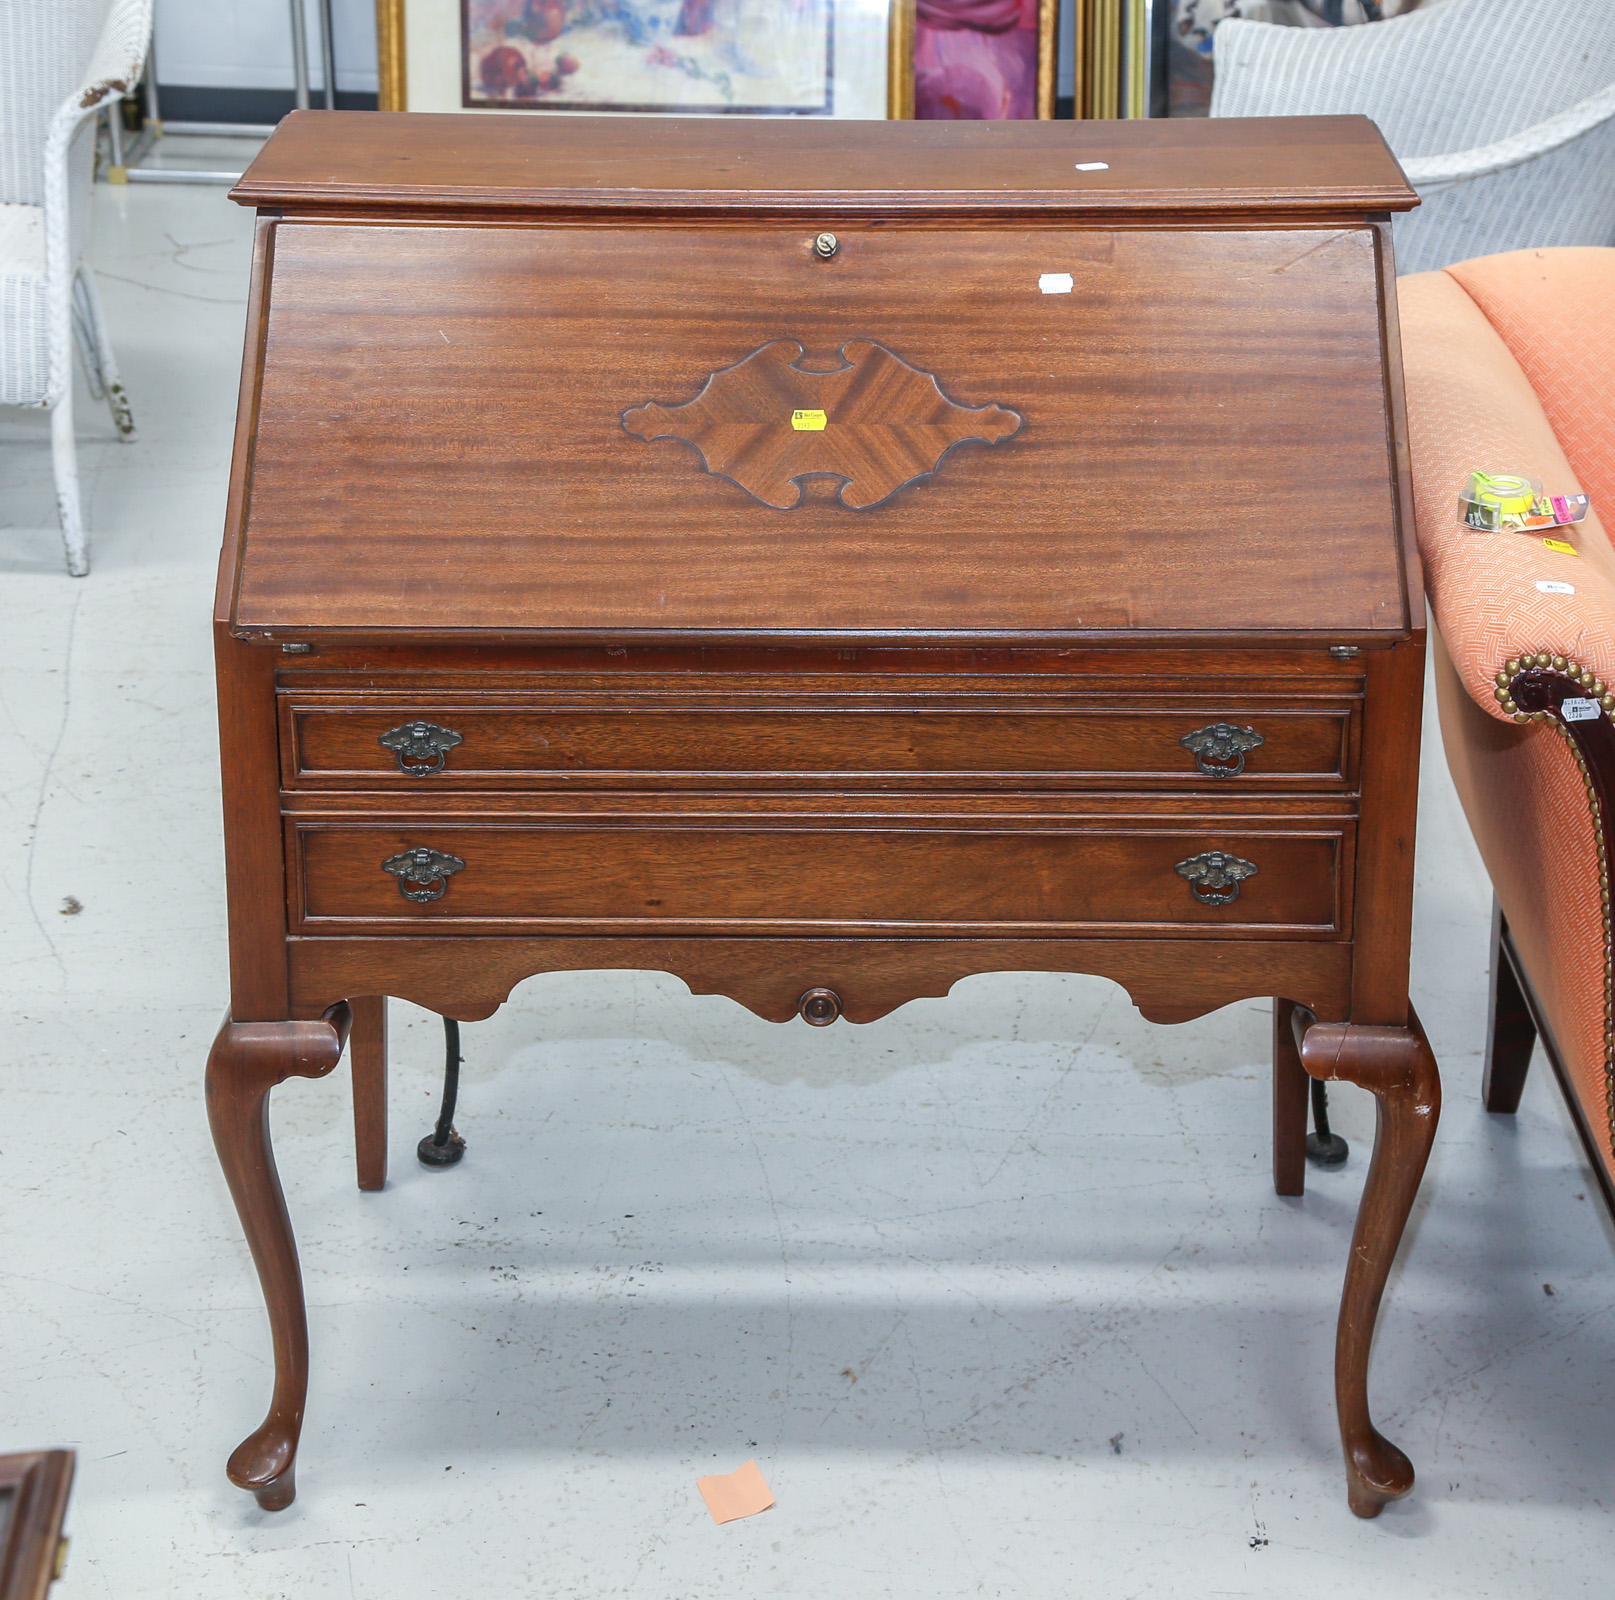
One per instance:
(1576, 709)
(1056, 283)
(1553, 586)
(1093, 166)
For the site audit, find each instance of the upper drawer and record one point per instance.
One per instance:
(329, 741)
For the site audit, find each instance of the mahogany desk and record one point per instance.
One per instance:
(821, 561)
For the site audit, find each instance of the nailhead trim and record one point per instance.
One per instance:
(1598, 690)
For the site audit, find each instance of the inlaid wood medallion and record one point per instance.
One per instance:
(766, 423)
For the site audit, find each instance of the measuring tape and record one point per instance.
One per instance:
(1513, 502)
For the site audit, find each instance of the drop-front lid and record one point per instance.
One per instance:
(580, 378)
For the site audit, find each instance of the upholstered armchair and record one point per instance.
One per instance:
(1510, 366)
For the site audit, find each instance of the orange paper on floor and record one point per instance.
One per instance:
(741, 1493)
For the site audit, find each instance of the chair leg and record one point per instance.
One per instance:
(367, 1052)
(1510, 1032)
(99, 351)
(1289, 1104)
(64, 459)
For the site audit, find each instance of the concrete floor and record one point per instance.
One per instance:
(996, 1290)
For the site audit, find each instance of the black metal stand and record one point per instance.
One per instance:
(443, 1147)
(1324, 1149)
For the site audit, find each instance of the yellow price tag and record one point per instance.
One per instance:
(808, 421)
(1559, 545)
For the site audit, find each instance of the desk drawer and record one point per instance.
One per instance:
(427, 745)
(937, 875)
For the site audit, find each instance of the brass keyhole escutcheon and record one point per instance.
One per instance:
(820, 1007)
(826, 246)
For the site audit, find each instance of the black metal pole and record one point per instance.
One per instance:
(442, 1147)
(1324, 1149)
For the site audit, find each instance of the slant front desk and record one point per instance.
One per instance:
(820, 561)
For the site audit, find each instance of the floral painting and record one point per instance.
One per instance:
(756, 56)
(975, 59)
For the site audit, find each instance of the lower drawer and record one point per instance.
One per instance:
(696, 875)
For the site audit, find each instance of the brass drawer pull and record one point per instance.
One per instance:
(420, 748)
(1218, 873)
(431, 869)
(1219, 748)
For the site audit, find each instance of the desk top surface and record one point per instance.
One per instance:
(949, 427)
(366, 161)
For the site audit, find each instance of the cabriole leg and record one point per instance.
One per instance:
(1396, 1066)
(247, 1060)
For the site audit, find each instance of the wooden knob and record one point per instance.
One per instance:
(820, 1007)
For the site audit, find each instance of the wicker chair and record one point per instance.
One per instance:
(60, 61)
(1502, 113)
(1510, 366)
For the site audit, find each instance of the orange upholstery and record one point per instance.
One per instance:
(1510, 366)
(1555, 310)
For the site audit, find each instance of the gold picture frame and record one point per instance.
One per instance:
(1048, 66)
(436, 24)
(1112, 58)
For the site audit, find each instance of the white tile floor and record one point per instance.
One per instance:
(996, 1290)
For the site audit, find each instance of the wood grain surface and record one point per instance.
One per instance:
(744, 668)
(1169, 980)
(367, 1056)
(915, 874)
(439, 443)
(516, 745)
(34, 1487)
(865, 744)
(767, 423)
(702, 166)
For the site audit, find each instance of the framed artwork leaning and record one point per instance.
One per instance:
(817, 58)
(984, 60)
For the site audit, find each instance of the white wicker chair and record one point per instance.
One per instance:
(60, 61)
(1502, 113)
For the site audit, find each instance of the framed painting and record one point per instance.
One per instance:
(980, 60)
(780, 58)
